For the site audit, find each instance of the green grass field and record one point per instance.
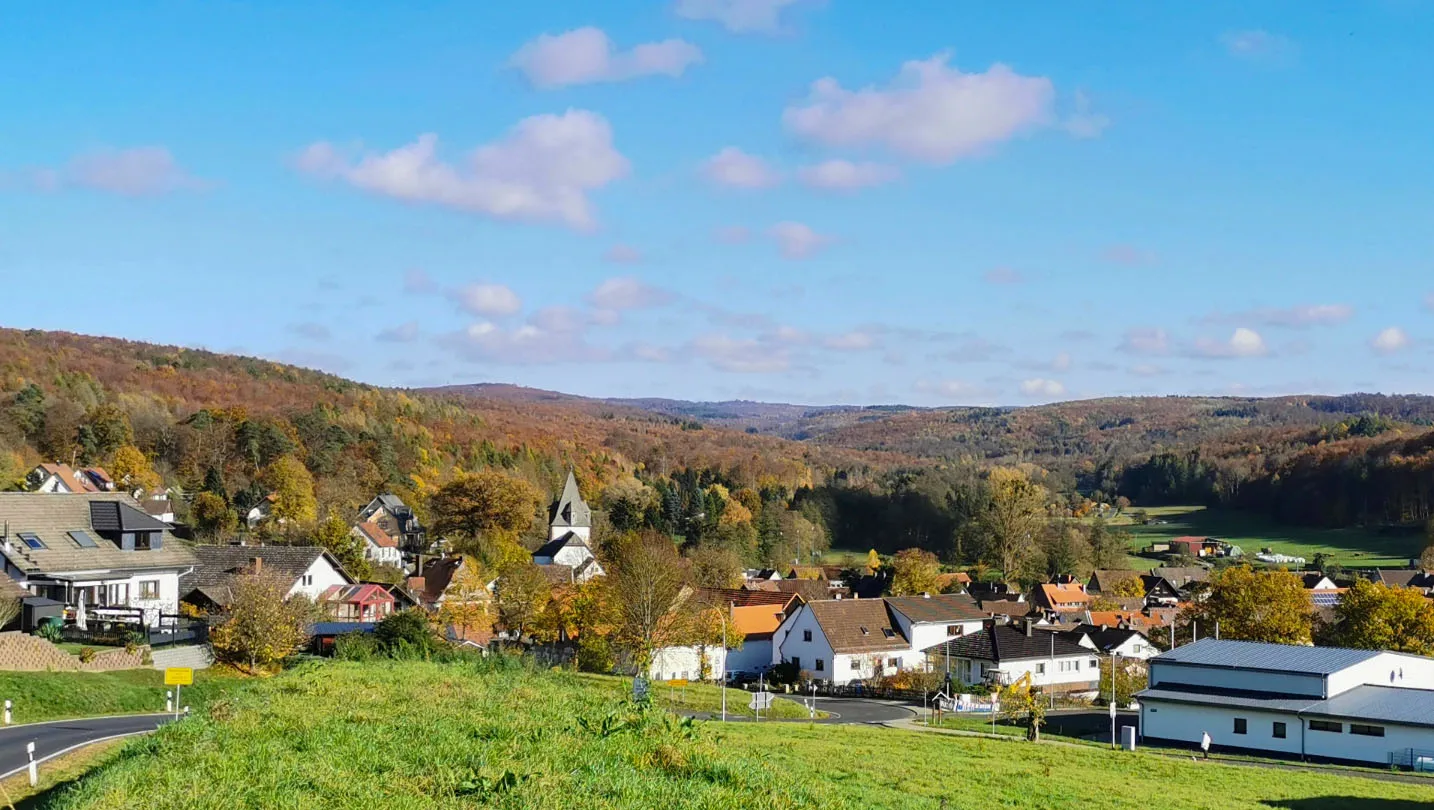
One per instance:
(40, 696)
(499, 734)
(1356, 547)
(699, 697)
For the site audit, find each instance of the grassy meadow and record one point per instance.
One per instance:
(40, 696)
(1353, 547)
(503, 735)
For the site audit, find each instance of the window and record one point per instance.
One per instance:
(31, 540)
(83, 540)
(1325, 725)
(856, 664)
(806, 635)
(149, 589)
(1279, 731)
(1095, 663)
(821, 664)
(143, 541)
(1366, 731)
(888, 632)
(863, 631)
(954, 629)
(894, 663)
(1040, 669)
(1240, 725)
(308, 579)
(117, 594)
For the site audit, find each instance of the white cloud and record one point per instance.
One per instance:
(931, 112)
(488, 300)
(734, 168)
(1083, 122)
(1042, 388)
(737, 16)
(1146, 340)
(1296, 317)
(853, 341)
(1390, 340)
(144, 171)
(1003, 275)
(1243, 342)
(542, 170)
(1062, 362)
(417, 282)
(647, 353)
(623, 254)
(742, 356)
(1256, 44)
(528, 344)
(403, 333)
(789, 335)
(587, 55)
(843, 175)
(797, 241)
(627, 292)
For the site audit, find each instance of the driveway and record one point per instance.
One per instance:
(58, 736)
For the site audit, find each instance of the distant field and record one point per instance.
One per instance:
(420, 735)
(1364, 548)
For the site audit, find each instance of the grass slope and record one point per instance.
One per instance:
(418, 735)
(1354, 547)
(40, 696)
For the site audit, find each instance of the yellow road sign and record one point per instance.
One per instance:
(677, 682)
(179, 676)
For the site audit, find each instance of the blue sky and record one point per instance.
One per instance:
(838, 201)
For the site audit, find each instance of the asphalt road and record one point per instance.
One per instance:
(54, 738)
(857, 710)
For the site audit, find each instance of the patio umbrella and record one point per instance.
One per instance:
(80, 623)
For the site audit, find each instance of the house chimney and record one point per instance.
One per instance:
(925, 595)
(1030, 627)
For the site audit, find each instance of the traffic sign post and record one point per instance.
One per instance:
(178, 677)
(760, 701)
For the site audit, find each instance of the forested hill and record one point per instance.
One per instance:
(196, 413)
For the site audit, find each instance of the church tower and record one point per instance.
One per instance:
(571, 515)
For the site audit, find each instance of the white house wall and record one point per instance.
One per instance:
(321, 576)
(925, 635)
(755, 656)
(807, 652)
(1385, 669)
(166, 602)
(1184, 723)
(861, 666)
(1078, 670)
(671, 663)
(1374, 750)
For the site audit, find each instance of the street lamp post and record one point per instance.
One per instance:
(1114, 660)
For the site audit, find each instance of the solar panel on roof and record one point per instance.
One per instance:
(1326, 599)
(83, 540)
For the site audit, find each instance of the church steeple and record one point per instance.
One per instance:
(572, 511)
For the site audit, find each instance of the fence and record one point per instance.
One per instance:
(1412, 759)
(116, 628)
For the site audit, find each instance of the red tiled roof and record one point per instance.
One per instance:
(377, 535)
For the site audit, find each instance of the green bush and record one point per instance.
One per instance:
(356, 647)
(406, 635)
(49, 630)
(87, 654)
(595, 654)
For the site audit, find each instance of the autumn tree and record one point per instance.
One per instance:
(1131, 587)
(914, 571)
(1426, 558)
(1025, 705)
(1249, 605)
(628, 503)
(873, 562)
(260, 627)
(707, 627)
(131, 468)
(645, 581)
(211, 516)
(715, 566)
(338, 538)
(1374, 616)
(1130, 677)
(523, 592)
(104, 430)
(483, 505)
(1013, 519)
(467, 602)
(292, 488)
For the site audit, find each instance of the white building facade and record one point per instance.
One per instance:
(1363, 706)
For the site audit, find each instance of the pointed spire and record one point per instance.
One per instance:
(572, 511)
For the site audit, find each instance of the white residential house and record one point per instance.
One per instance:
(844, 640)
(398, 521)
(377, 544)
(259, 513)
(312, 570)
(98, 546)
(929, 619)
(1323, 703)
(569, 534)
(687, 663)
(1003, 654)
(66, 480)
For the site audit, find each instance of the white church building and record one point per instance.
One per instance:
(1320, 703)
(570, 536)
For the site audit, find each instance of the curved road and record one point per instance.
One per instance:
(58, 736)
